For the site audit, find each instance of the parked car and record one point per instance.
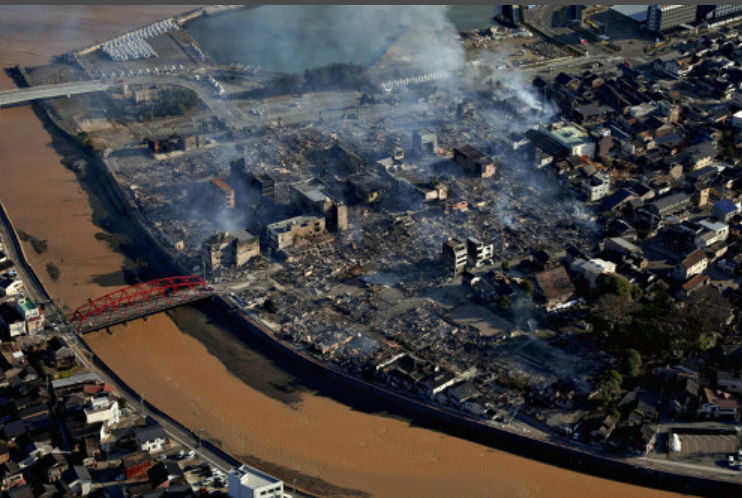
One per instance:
(161, 458)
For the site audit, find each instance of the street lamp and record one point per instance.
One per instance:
(200, 432)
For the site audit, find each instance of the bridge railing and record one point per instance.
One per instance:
(139, 300)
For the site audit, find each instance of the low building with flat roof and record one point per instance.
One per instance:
(248, 482)
(575, 140)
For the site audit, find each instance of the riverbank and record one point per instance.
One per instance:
(251, 401)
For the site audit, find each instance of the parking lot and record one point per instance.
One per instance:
(708, 450)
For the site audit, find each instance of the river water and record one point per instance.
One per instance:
(189, 365)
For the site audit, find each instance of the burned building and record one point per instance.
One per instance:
(344, 159)
(225, 250)
(265, 184)
(364, 188)
(454, 255)
(474, 161)
(311, 196)
(149, 94)
(424, 142)
(288, 233)
(251, 184)
(422, 190)
(222, 193)
(190, 142)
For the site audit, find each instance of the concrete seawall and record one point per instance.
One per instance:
(553, 452)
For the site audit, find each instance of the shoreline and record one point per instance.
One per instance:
(115, 191)
(426, 415)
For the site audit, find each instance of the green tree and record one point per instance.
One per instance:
(504, 304)
(619, 286)
(632, 362)
(505, 265)
(609, 386)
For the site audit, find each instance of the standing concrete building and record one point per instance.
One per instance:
(311, 196)
(478, 252)
(287, 233)
(225, 251)
(454, 256)
(222, 193)
(661, 18)
(424, 142)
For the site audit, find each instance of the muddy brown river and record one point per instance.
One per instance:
(195, 370)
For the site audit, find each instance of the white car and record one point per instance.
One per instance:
(191, 454)
(161, 458)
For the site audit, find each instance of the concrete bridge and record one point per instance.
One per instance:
(22, 95)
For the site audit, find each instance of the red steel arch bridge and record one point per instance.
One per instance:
(139, 300)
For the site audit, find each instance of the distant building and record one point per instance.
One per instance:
(637, 13)
(661, 18)
(454, 256)
(474, 161)
(149, 94)
(511, 15)
(287, 233)
(716, 15)
(247, 482)
(424, 142)
(222, 193)
(225, 250)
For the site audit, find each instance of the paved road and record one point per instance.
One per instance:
(14, 251)
(20, 95)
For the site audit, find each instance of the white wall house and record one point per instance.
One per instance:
(247, 482)
(103, 410)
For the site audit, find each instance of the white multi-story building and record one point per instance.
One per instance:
(593, 269)
(247, 482)
(713, 232)
(479, 252)
(694, 264)
(102, 409)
